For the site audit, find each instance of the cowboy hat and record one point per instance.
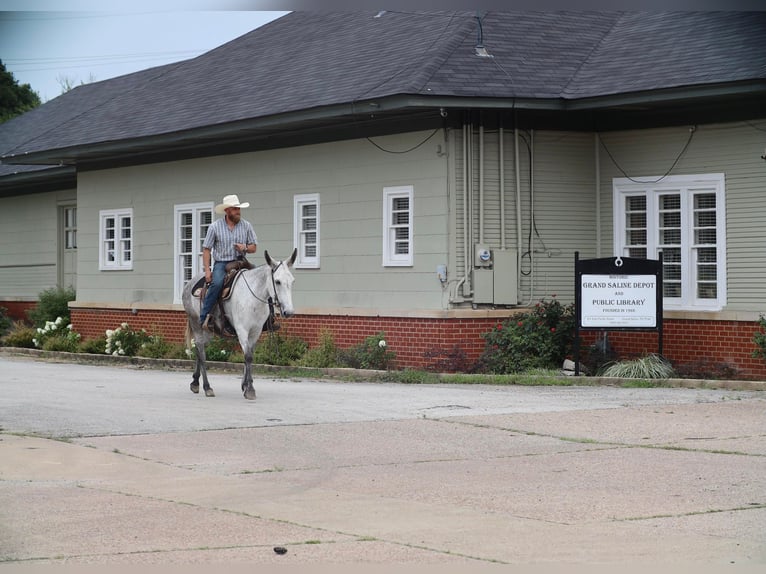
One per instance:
(230, 201)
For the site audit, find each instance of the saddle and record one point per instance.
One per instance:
(219, 320)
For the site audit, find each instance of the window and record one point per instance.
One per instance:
(70, 228)
(306, 230)
(191, 223)
(116, 240)
(397, 226)
(683, 217)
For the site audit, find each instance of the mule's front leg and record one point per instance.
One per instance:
(247, 377)
(194, 386)
(202, 368)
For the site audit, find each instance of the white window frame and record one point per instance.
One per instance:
(390, 257)
(304, 261)
(198, 236)
(686, 186)
(120, 262)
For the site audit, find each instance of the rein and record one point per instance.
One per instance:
(271, 302)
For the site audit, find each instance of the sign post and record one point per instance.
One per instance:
(617, 294)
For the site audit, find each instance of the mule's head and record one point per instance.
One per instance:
(283, 281)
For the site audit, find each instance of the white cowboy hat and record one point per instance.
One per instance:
(230, 201)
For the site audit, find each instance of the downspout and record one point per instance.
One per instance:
(481, 183)
(598, 194)
(519, 236)
(502, 187)
(468, 209)
(462, 281)
(531, 216)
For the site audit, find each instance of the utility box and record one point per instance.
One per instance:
(506, 276)
(498, 283)
(483, 286)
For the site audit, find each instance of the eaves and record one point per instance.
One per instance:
(375, 116)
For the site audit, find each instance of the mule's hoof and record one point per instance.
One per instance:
(194, 388)
(209, 393)
(250, 394)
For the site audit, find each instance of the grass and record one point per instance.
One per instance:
(539, 377)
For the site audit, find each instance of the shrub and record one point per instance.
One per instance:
(372, 353)
(69, 343)
(126, 341)
(276, 349)
(5, 321)
(52, 303)
(221, 349)
(452, 360)
(20, 335)
(537, 339)
(705, 368)
(155, 348)
(95, 346)
(57, 336)
(759, 338)
(323, 355)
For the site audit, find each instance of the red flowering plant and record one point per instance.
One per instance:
(540, 338)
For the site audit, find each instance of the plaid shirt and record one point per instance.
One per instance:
(220, 239)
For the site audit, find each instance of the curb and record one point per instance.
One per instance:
(336, 372)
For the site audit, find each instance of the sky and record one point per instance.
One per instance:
(46, 43)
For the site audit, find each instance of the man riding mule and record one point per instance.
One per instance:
(226, 240)
(251, 301)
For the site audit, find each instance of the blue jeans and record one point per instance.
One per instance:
(214, 290)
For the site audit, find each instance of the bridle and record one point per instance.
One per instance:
(272, 302)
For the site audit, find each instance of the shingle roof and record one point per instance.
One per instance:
(311, 61)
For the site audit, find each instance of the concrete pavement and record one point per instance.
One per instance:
(117, 465)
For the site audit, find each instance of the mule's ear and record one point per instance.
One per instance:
(292, 257)
(268, 258)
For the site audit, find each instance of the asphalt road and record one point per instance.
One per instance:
(112, 464)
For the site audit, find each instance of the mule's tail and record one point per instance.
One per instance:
(188, 335)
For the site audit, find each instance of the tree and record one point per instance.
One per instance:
(15, 99)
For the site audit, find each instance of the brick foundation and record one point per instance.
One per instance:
(715, 343)
(17, 310)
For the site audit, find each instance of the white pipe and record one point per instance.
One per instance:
(502, 188)
(481, 183)
(466, 262)
(531, 216)
(598, 194)
(519, 237)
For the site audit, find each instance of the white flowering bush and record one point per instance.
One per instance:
(125, 341)
(57, 336)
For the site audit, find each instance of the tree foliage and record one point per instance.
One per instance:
(15, 99)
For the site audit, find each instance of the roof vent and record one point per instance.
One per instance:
(481, 51)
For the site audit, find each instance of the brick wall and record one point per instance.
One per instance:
(17, 310)
(93, 323)
(716, 343)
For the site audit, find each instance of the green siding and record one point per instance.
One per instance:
(29, 244)
(349, 176)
